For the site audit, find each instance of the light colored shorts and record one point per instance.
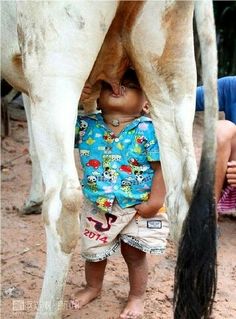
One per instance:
(102, 232)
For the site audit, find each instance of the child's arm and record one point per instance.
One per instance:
(157, 196)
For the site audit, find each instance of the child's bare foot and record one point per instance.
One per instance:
(84, 296)
(134, 308)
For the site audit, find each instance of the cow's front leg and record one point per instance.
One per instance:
(34, 201)
(54, 110)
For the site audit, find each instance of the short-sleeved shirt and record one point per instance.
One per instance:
(116, 167)
(226, 96)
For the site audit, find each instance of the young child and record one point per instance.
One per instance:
(123, 188)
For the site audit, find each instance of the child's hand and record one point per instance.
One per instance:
(147, 209)
(86, 92)
(231, 173)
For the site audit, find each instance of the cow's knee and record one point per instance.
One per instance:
(68, 222)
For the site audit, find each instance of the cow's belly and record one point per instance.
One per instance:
(66, 56)
(10, 51)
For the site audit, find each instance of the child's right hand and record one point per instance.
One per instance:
(231, 173)
(147, 209)
(86, 91)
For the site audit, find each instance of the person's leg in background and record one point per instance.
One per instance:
(225, 167)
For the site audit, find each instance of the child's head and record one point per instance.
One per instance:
(130, 101)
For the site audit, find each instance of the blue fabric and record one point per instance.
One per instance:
(116, 167)
(226, 96)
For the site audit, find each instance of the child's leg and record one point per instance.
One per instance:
(94, 274)
(233, 144)
(231, 170)
(138, 274)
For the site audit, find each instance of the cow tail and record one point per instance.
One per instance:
(196, 273)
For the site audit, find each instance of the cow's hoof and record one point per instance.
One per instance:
(32, 208)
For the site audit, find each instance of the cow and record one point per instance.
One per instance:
(49, 50)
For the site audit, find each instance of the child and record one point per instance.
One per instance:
(124, 190)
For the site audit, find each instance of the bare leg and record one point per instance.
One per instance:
(231, 170)
(94, 274)
(233, 148)
(226, 135)
(138, 274)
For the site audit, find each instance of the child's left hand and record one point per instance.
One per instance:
(147, 209)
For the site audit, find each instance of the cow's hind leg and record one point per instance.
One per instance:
(58, 51)
(53, 129)
(33, 203)
(167, 74)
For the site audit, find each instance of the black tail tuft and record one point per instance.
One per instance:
(195, 274)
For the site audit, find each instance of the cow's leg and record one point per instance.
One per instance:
(167, 73)
(6, 127)
(34, 202)
(168, 76)
(53, 130)
(58, 53)
(5, 119)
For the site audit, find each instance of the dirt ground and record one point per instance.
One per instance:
(23, 254)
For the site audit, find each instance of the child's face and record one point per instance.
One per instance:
(130, 101)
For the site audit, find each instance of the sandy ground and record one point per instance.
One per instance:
(23, 254)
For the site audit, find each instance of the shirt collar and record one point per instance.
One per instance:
(98, 117)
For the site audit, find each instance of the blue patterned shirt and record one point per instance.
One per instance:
(116, 167)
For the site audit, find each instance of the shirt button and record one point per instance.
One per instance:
(116, 139)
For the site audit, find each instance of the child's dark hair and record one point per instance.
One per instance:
(130, 78)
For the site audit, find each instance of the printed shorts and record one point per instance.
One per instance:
(101, 232)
